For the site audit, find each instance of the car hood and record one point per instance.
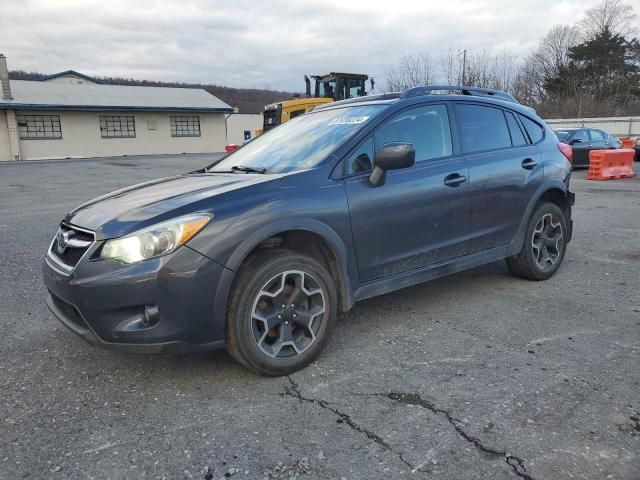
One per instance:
(124, 211)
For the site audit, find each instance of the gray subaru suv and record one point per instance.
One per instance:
(259, 251)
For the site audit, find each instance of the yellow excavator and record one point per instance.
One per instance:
(329, 88)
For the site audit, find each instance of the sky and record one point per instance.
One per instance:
(262, 43)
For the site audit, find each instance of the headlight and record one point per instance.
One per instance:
(156, 240)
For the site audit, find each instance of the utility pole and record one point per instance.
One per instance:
(463, 78)
(464, 66)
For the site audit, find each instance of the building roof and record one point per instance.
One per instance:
(68, 73)
(66, 96)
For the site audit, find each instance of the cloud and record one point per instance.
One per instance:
(262, 44)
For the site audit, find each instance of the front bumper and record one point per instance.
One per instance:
(166, 304)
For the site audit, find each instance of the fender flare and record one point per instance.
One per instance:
(545, 186)
(243, 250)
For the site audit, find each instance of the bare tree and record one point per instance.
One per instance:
(450, 64)
(550, 56)
(614, 16)
(411, 71)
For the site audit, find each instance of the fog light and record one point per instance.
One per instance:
(151, 315)
(149, 318)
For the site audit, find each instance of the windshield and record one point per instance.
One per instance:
(300, 143)
(326, 87)
(564, 135)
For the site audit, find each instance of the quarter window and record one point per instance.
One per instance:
(39, 127)
(117, 126)
(185, 126)
(482, 128)
(517, 137)
(534, 130)
(427, 128)
(361, 161)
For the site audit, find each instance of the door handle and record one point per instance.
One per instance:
(454, 179)
(528, 164)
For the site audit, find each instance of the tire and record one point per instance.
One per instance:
(543, 250)
(281, 312)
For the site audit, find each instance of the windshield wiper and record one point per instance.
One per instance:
(242, 168)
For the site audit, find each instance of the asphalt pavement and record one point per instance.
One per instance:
(477, 375)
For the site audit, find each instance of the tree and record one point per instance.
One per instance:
(411, 71)
(614, 16)
(602, 74)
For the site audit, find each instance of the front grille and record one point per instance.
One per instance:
(71, 254)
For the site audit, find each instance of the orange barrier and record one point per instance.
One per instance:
(628, 142)
(610, 164)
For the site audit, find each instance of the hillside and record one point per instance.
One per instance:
(248, 100)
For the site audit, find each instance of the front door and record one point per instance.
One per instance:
(419, 216)
(581, 145)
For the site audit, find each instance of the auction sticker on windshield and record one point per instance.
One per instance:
(348, 120)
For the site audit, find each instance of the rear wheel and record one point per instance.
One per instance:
(544, 245)
(281, 312)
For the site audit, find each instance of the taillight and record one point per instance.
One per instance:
(566, 151)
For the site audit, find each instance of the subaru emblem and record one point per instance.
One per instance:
(62, 239)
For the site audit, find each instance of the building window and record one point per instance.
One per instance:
(39, 127)
(117, 126)
(185, 126)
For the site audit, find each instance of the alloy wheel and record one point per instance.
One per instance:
(287, 314)
(546, 241)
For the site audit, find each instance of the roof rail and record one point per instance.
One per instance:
(476, 91)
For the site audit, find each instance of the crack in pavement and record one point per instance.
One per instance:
(516, 463)
(293, 390)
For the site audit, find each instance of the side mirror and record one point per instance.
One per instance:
(574, 141)
(391, 156)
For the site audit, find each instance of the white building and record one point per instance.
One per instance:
(70, 115)
(241, 127)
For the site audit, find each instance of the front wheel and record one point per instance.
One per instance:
(281, 312)
(544, 244)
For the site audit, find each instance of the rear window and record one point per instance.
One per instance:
(534, 129)
(482, 128)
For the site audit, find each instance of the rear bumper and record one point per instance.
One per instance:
(166, 304)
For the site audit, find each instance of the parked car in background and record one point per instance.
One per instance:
(583, 140)
(637, 148)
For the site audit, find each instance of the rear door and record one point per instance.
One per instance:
(505, 169)
(420, 215)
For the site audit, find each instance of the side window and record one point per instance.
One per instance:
(517, 137)
(361, 160)
(426, 127)
(534, 130)
(597, 136)
(482, 128)
(581, 136)
(296, 113)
